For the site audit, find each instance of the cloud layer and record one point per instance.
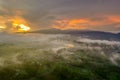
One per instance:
(62, 14)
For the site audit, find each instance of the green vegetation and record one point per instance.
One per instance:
(24, 62)
(50, 66)
(59, 71)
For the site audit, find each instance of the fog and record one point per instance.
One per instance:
(33, 45)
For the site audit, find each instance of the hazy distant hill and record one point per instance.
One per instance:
(83, 33)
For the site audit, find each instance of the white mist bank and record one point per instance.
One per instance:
(86, 40)
(34, 45)
(28, 37)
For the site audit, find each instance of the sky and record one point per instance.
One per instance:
(100, 15)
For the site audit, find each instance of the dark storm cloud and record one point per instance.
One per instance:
(43, 13)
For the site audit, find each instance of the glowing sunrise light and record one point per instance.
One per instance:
(2, 28)
(21, 28)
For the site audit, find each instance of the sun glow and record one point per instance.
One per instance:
(21, 27)
(2, 28)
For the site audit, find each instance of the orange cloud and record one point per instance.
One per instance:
(8, 23)
(87, 23)
(70, 24)
(114, 18)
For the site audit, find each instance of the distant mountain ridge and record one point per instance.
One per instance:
(83, 33)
